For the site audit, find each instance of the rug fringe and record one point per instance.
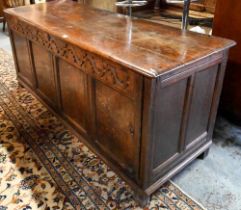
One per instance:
(185, 193)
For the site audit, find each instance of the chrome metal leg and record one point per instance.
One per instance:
(130, 7)
(157, 4)
(130, 3)
(185, 16)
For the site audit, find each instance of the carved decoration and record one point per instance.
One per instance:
(94, 65)
(104, 71)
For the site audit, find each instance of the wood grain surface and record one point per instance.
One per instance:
(149, 48)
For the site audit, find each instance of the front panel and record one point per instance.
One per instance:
(73, 93)
(45, 76)
(116, 127)
(22, 55)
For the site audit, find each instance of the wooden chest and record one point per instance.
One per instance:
(142, 96)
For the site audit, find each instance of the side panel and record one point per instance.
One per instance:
(201, 104)
(182, 117)
(168, 109)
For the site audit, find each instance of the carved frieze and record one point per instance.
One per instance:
(101, 69)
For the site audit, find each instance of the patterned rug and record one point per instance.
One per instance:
(43, 166)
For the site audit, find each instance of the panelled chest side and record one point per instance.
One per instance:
(145, 124)
(178, 118)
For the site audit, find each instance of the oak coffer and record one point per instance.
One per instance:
(141, 95)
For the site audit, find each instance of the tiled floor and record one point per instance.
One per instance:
(216, 181)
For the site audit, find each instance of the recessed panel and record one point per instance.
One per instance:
(23, 59)
(73, 94)
(45, 74)
(168, 110)
(201, 103)
(115, 116)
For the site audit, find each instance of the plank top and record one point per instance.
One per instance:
(148, 48)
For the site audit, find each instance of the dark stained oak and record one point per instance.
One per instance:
(143, 46)
(142, 96)
(45, 83)
(74, 101)
(202, 101)
(23, 56)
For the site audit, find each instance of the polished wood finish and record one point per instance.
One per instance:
(142, 96)
(227, 21)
